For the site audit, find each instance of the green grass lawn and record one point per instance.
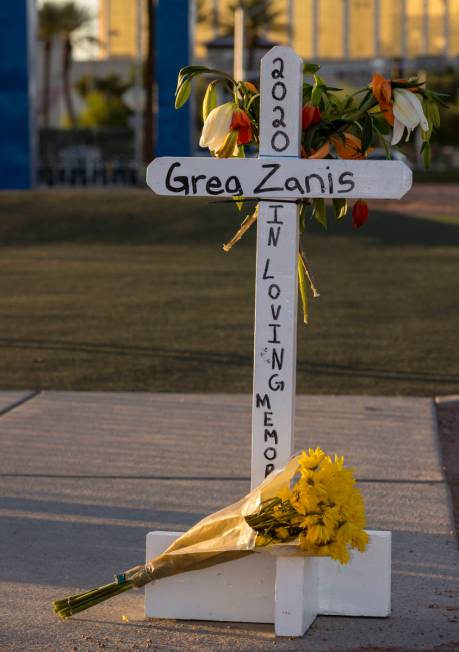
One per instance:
(122, 290)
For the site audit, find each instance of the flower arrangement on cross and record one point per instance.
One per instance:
(335, 125)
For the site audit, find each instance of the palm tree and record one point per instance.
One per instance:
(71, 18)
(260, 16)
(48, 29)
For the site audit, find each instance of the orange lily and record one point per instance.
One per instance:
(322, 152)
(241, 123)
(348, 147)
(382, 92)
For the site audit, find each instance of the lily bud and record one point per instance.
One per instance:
(359, 213)
(183, 93)
(251, 87)
(210, 101)
(309, 116)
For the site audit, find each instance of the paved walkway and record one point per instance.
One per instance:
(84, 476)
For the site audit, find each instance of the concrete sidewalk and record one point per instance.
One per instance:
(84, 476)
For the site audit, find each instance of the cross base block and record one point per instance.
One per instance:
(287, 591)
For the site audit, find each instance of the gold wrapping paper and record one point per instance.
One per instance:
(220, 537)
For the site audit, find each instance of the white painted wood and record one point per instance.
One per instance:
(277, 178)
(237, 591)
(276, 301)
(281, 90)
(297, 586)
(276, 286)
(245, 590)
(361, 588)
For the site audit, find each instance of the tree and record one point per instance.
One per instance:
(104, 101)
(71, 18)
(260, 16)
(48, 29)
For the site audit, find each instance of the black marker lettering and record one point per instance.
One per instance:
(184, 187)
(280, 141)
(265, 273)
(279, 122)
(276, 385)
(273, 167)
(269, 469)
(277, 361)
(275, 311)
(278, 73)
(267, 419)
(292, 183)
(233, 186)
(273, 435)
(276, 208)
(348, 182)
(270, 453)
(275, 340)
(214, 186)
(263, 402)
(274, 291)
(273, 238)
(279, 91)
(194, 182)
(320, 180)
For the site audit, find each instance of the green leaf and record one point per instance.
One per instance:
(302, 217)
(340, 208)
(319, 212)
(367, 133)
(252, 100)
(380, 125)
(316, 95)
(426, 153)
(309, 136)
(310, 68)
(303, 287)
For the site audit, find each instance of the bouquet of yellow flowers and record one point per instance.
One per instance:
(311, 507)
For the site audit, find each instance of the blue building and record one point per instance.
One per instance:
(17, 115)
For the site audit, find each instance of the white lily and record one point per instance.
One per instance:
(217, 127)
(408, 112)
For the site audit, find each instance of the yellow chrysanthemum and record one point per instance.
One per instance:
(332, 516)
(282, 533)
(339, 552)
(360, 540)
(318, 533)
(311, 460)
(310, 520)
(262, 540)
(305, 501)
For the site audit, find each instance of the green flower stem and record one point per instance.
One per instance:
(67, 607)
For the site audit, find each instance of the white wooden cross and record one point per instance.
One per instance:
(289, 592)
